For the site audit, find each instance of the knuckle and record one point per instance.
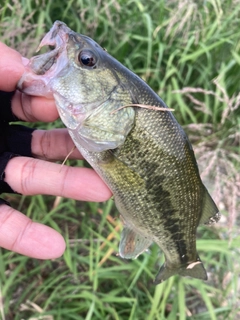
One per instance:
(46, 144)
(16, 243)
(27, 175)
(26, 107)
(6, 215)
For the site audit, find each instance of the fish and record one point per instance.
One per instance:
(133, 141)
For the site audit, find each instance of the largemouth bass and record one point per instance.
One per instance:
(142, 153)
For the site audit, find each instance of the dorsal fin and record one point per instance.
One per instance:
(132, 244)
(210, 212)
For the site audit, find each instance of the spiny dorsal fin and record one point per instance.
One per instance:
(132, 244)
(210, 212)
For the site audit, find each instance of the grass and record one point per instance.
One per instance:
(188, 51)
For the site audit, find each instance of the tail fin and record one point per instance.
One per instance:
(194, 270)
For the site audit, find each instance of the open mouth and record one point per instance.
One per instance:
(42, 68)
(57, 38)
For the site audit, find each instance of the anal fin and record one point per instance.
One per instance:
(132, 244)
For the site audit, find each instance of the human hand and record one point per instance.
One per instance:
(39, 175)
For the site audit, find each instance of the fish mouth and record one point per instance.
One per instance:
(42, 68)
(57, 35)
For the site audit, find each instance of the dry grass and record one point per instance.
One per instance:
(18, 30)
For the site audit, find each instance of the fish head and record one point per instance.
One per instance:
(87, 86)
(75, 59)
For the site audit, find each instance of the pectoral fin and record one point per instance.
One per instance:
(132, 244)
(210, 212)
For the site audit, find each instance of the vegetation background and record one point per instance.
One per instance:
(189, 53)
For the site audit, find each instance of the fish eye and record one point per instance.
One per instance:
(87, 58)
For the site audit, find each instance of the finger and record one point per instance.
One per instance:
(32, 109)
(11, 67)
(32, 176)
(53, 144)
(28, 108)
(18, 233)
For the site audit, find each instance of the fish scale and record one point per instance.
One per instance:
(141, 152)
(157, 202)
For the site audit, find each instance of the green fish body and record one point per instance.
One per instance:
(142, 153)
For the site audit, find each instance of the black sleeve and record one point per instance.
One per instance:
(15, 140)
(6, 114)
